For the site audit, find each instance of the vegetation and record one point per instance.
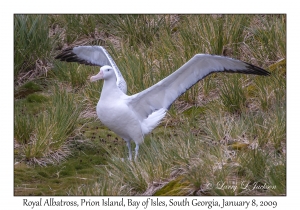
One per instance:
(227, 130)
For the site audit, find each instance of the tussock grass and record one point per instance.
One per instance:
(268, 34)
(23, 126)
(72, 73)
(136, 29)
(39, 98)
(26, 89)
(52, 129)
(216, 34)
(226, 130)
(233, 95)
(32, 45)
(74, 27)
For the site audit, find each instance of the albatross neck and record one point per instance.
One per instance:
(110, 89)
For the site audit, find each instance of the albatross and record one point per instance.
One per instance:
(132, 117)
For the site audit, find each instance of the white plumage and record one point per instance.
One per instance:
(131, 117)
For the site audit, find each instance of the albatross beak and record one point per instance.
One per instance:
(97, 77)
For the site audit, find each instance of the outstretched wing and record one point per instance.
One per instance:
(94, 56)
(164, 93)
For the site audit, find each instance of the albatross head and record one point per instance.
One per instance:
(106, 72)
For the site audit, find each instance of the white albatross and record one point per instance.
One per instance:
(132, 117)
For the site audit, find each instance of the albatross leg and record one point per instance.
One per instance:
(129, 149)
(136, 151)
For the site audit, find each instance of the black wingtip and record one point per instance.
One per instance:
(247, 69)
(68, 55)
(65, 54)
(257, 70)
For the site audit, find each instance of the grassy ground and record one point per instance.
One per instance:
(225, 136)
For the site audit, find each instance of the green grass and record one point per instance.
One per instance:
(33, 44)
(141, 29)
(50, 129)
(23, 126)
(233, 95)
(26, 89)
(215, 33)
(38, 98)
(73, 74)
(228, 129)
(268, 35)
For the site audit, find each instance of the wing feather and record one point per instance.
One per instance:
(93, 56)
(165, 92)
